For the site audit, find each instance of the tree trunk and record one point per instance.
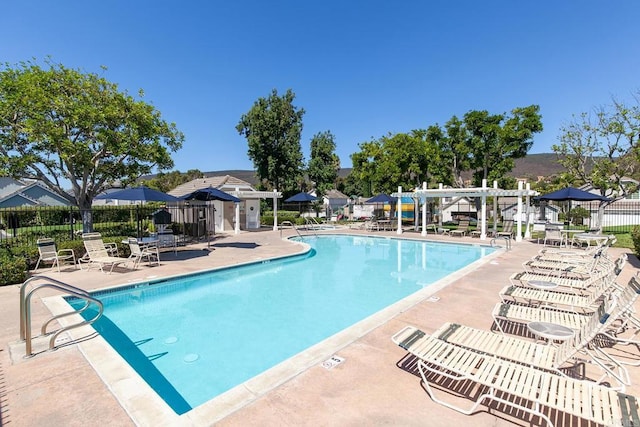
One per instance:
(87, 217)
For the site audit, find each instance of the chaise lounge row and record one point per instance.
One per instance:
(577, 321)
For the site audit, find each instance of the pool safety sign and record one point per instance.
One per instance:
(332, 362)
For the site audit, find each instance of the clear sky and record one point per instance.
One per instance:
(360, 69)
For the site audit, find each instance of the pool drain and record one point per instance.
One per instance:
(191, 357)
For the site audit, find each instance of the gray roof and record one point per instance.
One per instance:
(225, 183)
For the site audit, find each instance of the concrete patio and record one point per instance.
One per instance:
(370, 388)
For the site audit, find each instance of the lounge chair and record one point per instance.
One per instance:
(512, 383)
(577, 278)
(507, 229)
(624, 298)
(98, 254)
(584, 301)
(139, 253)
(48, 253)
(463, 228)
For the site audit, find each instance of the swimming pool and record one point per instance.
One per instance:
(195, 338)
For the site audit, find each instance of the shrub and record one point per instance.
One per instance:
(13, 269)
(635, 237)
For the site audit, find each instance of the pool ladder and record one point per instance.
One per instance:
(25, 309)
(507, 242)
(290, 224)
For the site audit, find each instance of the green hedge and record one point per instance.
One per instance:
(635, 237)
(13, 270)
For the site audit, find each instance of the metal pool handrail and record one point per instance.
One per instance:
(25, 309)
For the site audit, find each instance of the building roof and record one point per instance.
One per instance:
(227, 183)
(220, 182)
(14, 193)
(335, 194)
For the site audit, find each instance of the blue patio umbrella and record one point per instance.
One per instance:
(210, 193)
(142, 194)
(301, 197)
(382, 198)
(571, 193)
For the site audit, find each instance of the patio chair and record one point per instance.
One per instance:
(372, 224)
(507, 229)
(553, 236)
(98, 254)
(525, 388)
(139, 253)
(48, 253)
(463, 228)
(168, 240)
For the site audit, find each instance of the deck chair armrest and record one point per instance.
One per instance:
(65, 251)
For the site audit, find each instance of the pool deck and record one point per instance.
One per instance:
(369, 388)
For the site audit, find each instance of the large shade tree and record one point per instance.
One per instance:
(66, 127)
(488, 144)
(391, 161)
(601, 148)
(324, 163)
(272, 128)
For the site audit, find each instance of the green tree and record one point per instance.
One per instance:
(391, 161)
(272, 128)
(324, 163)
(486, 144)
(60, 125)
(601, 148)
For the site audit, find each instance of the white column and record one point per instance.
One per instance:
(483, 213)
(527, 230)
(495, 208)
(275, 210)
(237, 228)
(441, 210)
(424, 211)
(399, 210)
(519, 214)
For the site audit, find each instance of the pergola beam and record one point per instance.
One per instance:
(483, 192)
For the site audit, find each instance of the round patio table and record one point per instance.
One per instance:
(550, 331)
(543, 284)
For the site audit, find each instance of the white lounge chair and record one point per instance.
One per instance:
(461, 230)
(98, 254)
(507, 229)
(540, 355)
(48, 253)
(522, 387)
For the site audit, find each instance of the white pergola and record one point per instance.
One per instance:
(422, 194)
(243, 194)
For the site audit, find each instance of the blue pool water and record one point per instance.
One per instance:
(196, 337)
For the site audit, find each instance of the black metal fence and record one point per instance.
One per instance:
(22, 226)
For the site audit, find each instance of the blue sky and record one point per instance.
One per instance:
(360, 69)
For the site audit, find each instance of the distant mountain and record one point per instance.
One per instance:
(531, 167)
(535, 165)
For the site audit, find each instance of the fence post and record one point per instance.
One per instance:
(71, 230)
